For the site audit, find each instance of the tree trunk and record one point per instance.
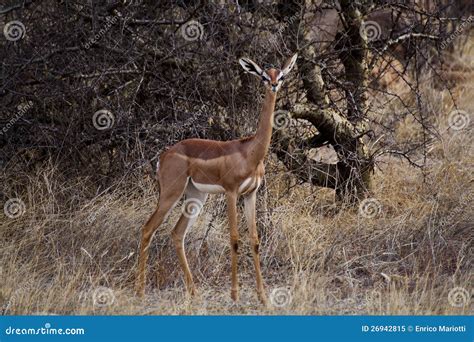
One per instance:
(351, 176)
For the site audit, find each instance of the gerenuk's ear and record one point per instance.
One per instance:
(289, 64)
(251, 67)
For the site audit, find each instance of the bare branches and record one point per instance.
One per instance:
(165, 80)
(15, 6)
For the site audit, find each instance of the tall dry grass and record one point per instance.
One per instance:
(71, 245)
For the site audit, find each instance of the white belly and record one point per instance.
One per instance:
(248, 185)
(208, 188)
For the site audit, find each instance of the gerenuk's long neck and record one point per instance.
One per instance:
(261, 142)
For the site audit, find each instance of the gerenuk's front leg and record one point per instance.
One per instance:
(249, 202)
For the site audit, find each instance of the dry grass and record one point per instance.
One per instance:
(404, 260)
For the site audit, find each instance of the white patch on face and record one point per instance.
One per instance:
(275, 89)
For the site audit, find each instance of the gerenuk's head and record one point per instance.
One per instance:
(272, 78)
